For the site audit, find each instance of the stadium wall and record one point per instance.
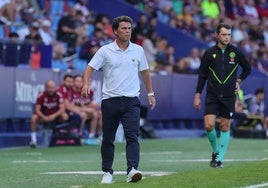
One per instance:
(174, 93)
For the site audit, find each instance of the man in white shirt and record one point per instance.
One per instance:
(48, 36)
(121, 62)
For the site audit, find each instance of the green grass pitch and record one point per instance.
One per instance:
(165, 164)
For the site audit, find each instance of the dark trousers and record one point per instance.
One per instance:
(126, 110)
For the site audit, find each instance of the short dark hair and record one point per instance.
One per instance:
(77, 76)
(222, 25)
(120, 19)
(67, 76)
(259, 91)
(13, 34)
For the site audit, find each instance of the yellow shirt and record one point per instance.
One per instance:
(210, 9)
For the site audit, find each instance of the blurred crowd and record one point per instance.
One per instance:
(76, 33)
(199, 18)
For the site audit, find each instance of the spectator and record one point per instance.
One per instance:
(26, 11)
(161, 46)
(33, 37)
(89, 48)
(175, 23)
(194, 60)
(263, 62)
(105, 20)
(223, 11)
(35, 57)
(243, 45)
(81, 5)
(92, 110)
(186, 16)
(195, 9)
(58, 52)
(241, 113)
(241, 32)
(47, 35)
(149, 47)
(75, 113)
(228, 4)
(165, 14)
(256, 34)
(13, 37)
(257, 107)
(239, 10)
(140, 29)
(58, 49)
(24, 30)
(68, 31)
(170, 53)
(206, 33)
(152, 25)
(182, 66)
(265, 35)
(164, 3)
(49, 108)
(163, 67)
(151, 9)
(251, 11)
(262, 8)
(210, 9)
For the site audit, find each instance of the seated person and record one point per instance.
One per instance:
(76, 115)
(90, 108)
(240, 116)
(257, 107)
(49, 108)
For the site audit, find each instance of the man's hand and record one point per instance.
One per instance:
(197, 101)
(237, 87)
(85, 91)
(51, 117)
(152, 102)
(46, 119)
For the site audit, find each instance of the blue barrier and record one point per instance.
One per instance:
(17, 54)
(174, 93)
(7, 92)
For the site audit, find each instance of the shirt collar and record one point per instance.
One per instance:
(116, 47)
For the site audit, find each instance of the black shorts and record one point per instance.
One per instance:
(220, 106)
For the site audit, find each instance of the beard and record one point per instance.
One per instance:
(50, 93)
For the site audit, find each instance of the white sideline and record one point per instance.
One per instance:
(257, 185)
(45, 161)
(152, 173)
(157, 161)
(205, 160)
(158, 153)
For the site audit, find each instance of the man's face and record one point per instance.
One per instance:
(50, 88)
(68, 82)
(224, 36)
(123, 32)
(260, 97)
(78, 83)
